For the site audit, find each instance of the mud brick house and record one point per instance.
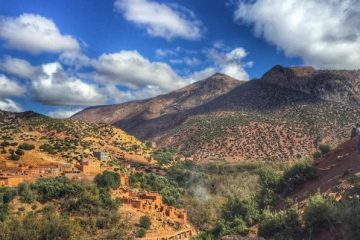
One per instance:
(101, 156)
(89, 167)
(10, 181)
(151, 202)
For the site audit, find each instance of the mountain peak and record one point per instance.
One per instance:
(293, 71)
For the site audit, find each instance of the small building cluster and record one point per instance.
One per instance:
(13, 174)
(151, 202)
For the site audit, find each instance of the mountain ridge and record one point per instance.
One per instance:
(256, 120)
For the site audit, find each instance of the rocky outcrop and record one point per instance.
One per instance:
(333, 85)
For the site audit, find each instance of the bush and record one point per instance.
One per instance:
(296, 175)
(281, 225)
(141, 233)
(350, 216)
(7, 194)
(56, 188)
(237, 216)
(14, 157)
(151, 182)
(26, 146)
(319, 214)
(4, 211)
(19, 152)
(26, 193)
(145, 222)
(317, 154)
(47, 148)
(108, 180)
(269, 181)
(164, 156)
(324, 148)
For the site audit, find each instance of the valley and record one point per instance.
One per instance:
(219, 159)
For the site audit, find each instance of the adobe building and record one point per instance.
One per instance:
(151, 202)
(124, 180)
(89, 167)
(101, 156)
(11, 181)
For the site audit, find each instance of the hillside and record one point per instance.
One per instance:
(63, 141)
(282, 116)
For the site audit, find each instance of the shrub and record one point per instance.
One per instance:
(237, 216)
(324, 148)
(47, 148)
(141, 233)
(56, 188)
(319, 214)
(317, 154)
(19, 152)
(145, 222)
(297, 174)
(14, 157)
(26, 193)
(26, 146)
(269, 181)
(108, 180)
(7, 194)
(164, 156)
(151, 182)
(350, 216)
(281, 225)
(4, 211)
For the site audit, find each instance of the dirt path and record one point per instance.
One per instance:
(332, 167)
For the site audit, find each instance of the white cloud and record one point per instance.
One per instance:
(230, 63)
(131, 69)
(161, 53)
(324, 33)
(19, 67)
(51, 84)
(9, 88)
(9, 105)
(35, 34)
(55, 87)
(63, 113)
(160, 19)
(76, 59)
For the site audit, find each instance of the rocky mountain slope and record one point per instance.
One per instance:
(282, 116)
(178, 101)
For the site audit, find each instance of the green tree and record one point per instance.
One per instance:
(319, 214)
(145, 222)
(108, 180)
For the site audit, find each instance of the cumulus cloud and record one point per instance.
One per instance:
(324, 33)
(19, 67)
(55, 87)
(160, 19)
(63, 113)
(230, 63)
(9, 88)
(51, 84)
(131, 69)
(76, 59)
(35, 34)
(9, 105)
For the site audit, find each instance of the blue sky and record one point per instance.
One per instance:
(58, 57)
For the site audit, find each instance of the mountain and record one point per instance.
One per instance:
(282, 116)
(178, 101)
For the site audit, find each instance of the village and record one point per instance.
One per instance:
(12, 174)
(142, 202)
